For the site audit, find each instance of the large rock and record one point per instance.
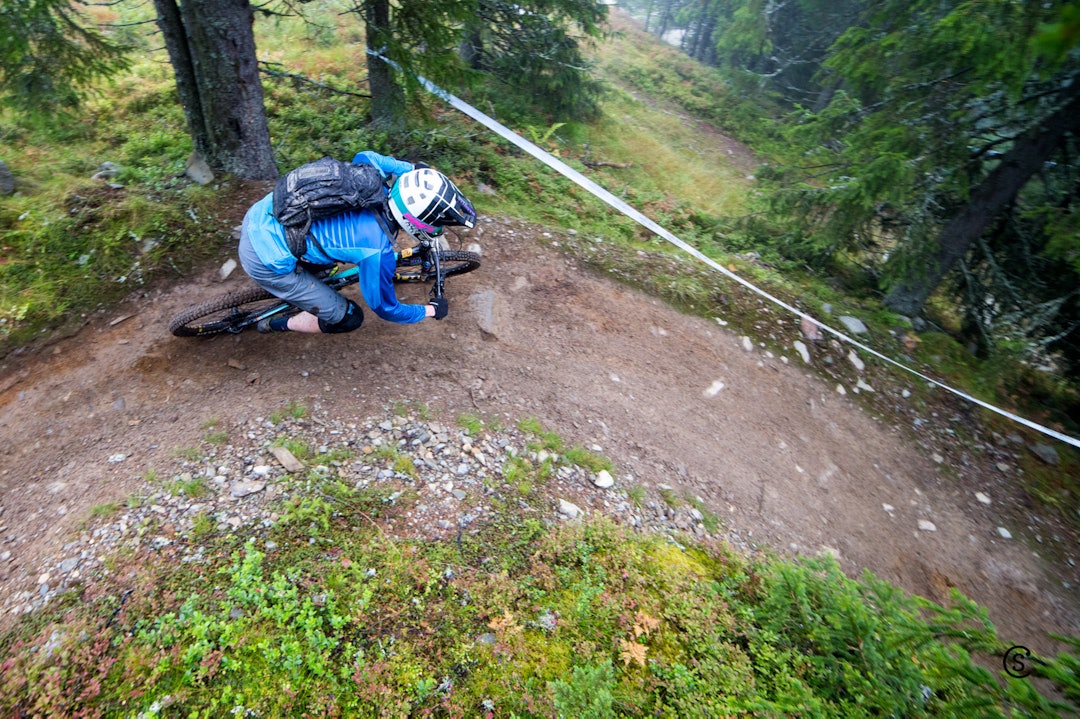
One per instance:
(853, 324)
(7, 180)
(1046, 453)
(490, 315)
(106, 171)
(811, 330)
(198, 170)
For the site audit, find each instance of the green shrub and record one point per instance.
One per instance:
(576, 620)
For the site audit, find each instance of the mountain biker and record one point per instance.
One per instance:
(422, 201)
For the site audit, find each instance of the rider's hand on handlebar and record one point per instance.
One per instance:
(440, 306)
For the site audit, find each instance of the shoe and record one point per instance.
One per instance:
(277, 323)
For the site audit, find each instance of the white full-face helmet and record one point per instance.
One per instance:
(425, 201)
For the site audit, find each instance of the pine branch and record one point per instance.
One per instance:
(263, 68)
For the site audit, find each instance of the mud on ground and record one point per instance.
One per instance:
(771, 449)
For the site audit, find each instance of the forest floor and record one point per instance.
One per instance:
(773, 450)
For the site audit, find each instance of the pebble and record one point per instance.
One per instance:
(1005, 534)
(982, 498)
(853, 324)
(714, 389)
(801, 348)
(569, 509)
(449, 463)
(243, 489)
(811, 330)
(927, 526)
(1046, 453)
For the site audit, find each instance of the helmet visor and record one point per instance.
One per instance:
(450, 207)
(424, 207)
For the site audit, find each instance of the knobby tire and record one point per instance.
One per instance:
(222, 313)
(453, 262)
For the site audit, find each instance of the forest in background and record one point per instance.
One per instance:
(919, 155)
(870, 196)
(738, 643)
(928, 147)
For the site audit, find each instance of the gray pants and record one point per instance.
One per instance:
(299, 287)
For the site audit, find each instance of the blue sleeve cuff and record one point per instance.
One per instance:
(386, 165)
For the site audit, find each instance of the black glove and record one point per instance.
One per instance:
(421, 166)
(441, 308)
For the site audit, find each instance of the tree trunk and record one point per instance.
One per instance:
(472, 48)
(1000, 188)
(665, 17)
(211, 45)
(387, 97)
(172, 27)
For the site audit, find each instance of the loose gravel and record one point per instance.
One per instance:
(445, 479)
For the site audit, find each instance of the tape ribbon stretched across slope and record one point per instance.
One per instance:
(641, 219)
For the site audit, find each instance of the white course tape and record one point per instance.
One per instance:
(641, 219)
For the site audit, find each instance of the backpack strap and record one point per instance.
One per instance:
(296, 237)
(298, 249)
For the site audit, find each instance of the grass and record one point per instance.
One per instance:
(470, 423)
(219, 437)
(517, 616)
(670, 497)
(589, 460)
(708, 518)
(188, 486)
(386, 453)
(292, 410)
(584, 619)
(404, 464)
(202, 527)
(100, 512)
(297, 447)
(189, 454)
(323, 634)
(547, 440)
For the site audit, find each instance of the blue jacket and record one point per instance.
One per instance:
(351, 237)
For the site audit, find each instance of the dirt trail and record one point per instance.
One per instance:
(776, 453)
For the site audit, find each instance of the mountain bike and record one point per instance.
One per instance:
(241, 309)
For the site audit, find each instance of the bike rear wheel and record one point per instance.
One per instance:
(231, 312)
(452, 262)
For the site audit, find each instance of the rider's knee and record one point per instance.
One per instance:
(354, 317)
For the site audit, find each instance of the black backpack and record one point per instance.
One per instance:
(324, 188)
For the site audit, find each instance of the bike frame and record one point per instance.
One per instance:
(425, 256)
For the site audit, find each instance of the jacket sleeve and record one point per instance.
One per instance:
(386, 165)
(377, 286)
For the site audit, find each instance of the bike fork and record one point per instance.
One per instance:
(437, 290)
